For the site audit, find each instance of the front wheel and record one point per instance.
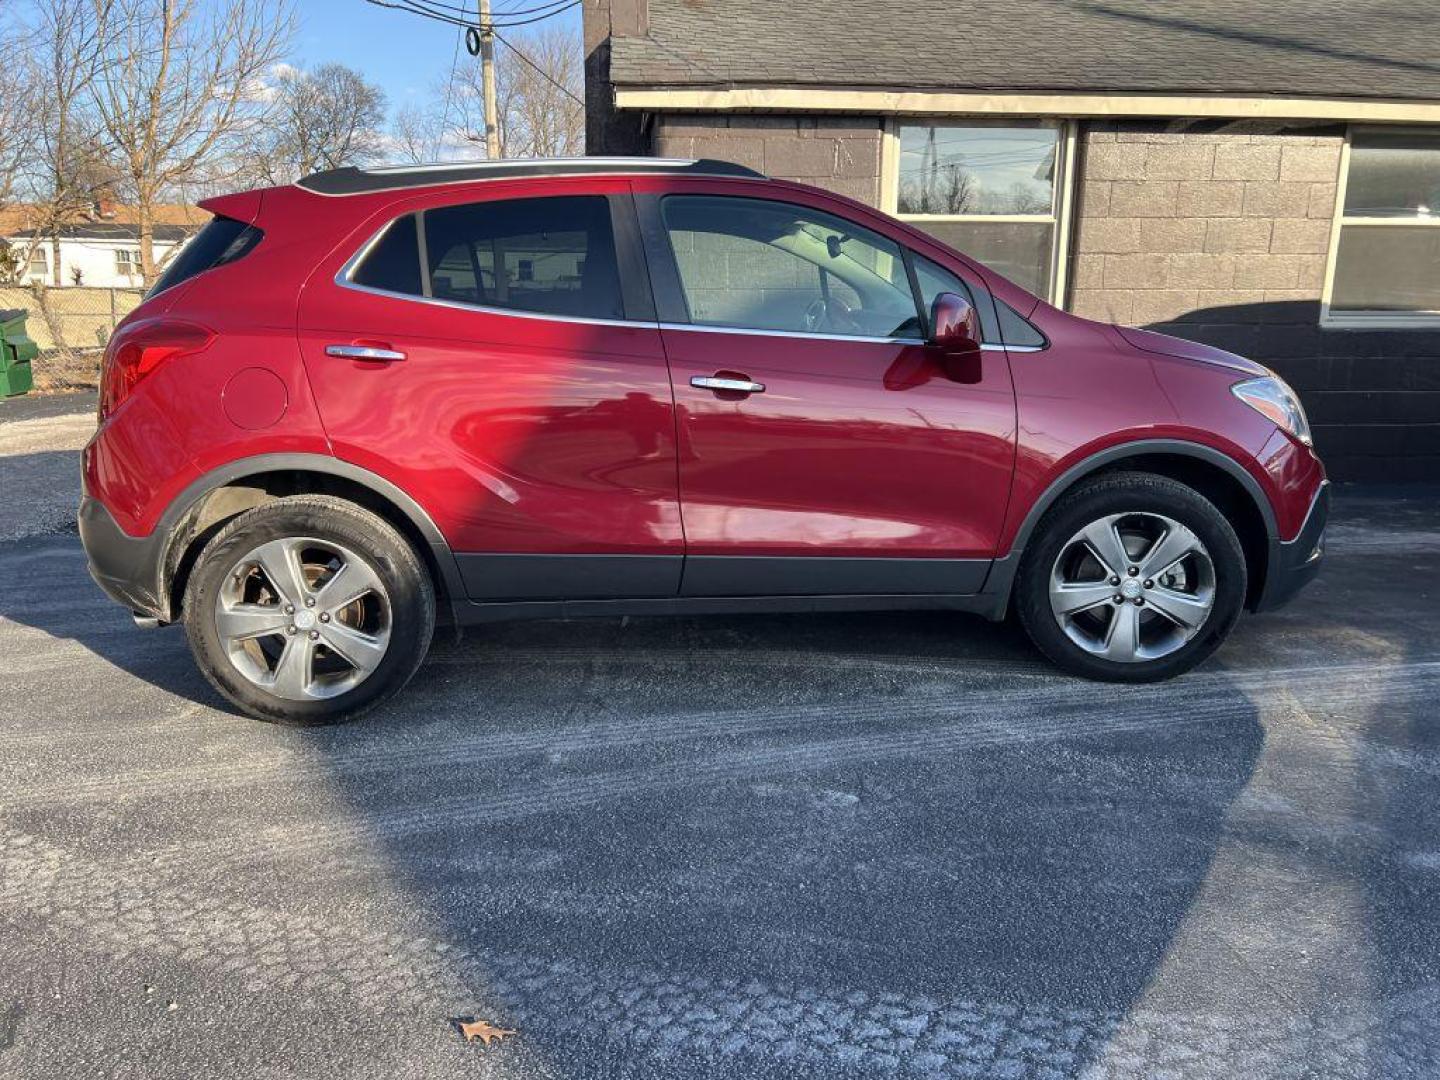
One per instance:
(308, 610)
(1131, 577)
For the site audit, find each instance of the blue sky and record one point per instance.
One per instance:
(405, 54)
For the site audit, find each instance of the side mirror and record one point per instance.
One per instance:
(955, 333)
(954, 325)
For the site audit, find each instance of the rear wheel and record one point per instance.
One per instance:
(308, 610)
(1131, 577)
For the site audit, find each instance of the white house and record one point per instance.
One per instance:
(103, 254)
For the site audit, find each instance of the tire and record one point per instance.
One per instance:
(1061, 568)
(342, 652)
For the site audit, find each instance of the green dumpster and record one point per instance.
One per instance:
(16, 352)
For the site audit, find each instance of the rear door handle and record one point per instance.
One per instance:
(364, 352)
(715, 382)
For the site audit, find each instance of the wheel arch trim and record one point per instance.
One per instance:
(999, 584)
(177, 538)
(1144, 448)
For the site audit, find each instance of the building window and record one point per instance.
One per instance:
(1385, 255)
(127, 262)
(994, 191)
(39, 265)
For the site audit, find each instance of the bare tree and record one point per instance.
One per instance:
(179, 91)
(322, 119)
(417, 134)
(69, 158)
(17, 104)
(1025, 198)
(12, 264)
(943, 189)
(959, 190)
(539, 92)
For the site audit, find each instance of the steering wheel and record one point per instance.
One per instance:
(832, 315)
(816, 317)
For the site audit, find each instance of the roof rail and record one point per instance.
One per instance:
(352, 180)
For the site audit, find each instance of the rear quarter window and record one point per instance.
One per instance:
(393, 263)
(223, 240)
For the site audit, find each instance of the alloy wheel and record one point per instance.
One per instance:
(1132, 587)
(303, 619)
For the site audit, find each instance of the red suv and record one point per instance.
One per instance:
(378, 399)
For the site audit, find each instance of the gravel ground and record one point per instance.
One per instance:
(845, 846)
(39, 435)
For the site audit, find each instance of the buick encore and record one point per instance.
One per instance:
(381, 400)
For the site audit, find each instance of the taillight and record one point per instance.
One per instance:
(140, 348)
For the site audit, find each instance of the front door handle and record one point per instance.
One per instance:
(716, 382)
(364, 352)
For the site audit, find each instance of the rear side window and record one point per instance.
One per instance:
(553, 256)
(393, 263)
(221, 241)
(549, 256)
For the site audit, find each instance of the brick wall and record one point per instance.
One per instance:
(841, 154)
(1170, 223)
(1222, 237)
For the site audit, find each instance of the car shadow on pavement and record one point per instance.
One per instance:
(50, 590)
(842, 845)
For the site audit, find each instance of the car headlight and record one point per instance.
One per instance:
(1272, 397)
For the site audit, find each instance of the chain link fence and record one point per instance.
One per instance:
(72, 327)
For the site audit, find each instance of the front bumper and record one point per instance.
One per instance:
(1293, 564)
(126, 567)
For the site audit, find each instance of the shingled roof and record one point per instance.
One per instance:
(1323, 48)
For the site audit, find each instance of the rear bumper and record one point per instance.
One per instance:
(125, 567)
(1293, 564)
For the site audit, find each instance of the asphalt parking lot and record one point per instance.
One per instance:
(799, 846)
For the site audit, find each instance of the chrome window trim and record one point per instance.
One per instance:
(755, 332)
(456, 305)
(986, 347)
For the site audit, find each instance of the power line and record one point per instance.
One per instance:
(449, 90)
(463, 10)
(413, 7)
(540, 71)
(460, 15)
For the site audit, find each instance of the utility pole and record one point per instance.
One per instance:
(487, 80)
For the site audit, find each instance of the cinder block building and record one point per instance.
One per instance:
(1265, 178)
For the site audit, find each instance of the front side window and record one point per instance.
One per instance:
(991, 191)
(1387, 260)
(761, 265)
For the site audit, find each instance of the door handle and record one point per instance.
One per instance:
(716, 382)
(363, 352)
